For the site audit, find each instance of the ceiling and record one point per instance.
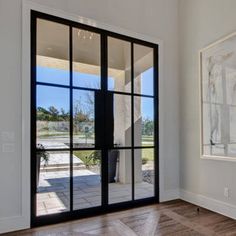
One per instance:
(53, 41)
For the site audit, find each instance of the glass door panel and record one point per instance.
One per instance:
(143, 121)
(119, 65)
(52, 53)
(83, 118)
(93, 127)
(119, 175)
(122, 120)
(53, 182)
(86, 59)
(143, 70)
(144, 173)
(52, 117)
(86, 179)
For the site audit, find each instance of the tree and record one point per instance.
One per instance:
(52, 114)
(65, 115)
(42, 114)
(148, 127)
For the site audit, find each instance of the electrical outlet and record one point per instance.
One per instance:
(226, 192)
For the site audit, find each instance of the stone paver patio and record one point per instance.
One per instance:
(53, 191)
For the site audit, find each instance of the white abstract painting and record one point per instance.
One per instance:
(218, 98)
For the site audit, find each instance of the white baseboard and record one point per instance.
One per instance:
(13, 223)
(209, 203)
(169, 195)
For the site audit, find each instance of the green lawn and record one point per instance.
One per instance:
(85, 156)
(148, 154)
(82, 154)
(146, 138)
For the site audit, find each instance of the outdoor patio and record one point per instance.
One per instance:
(53, 189)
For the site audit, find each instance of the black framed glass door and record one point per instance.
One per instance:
(94, 120)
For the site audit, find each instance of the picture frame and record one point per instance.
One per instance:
(217, 67)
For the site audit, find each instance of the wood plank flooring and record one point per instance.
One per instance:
(177, 218)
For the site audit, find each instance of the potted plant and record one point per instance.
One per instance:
(91, 159)
(94, 159)
(41, 156)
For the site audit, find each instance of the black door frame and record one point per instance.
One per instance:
(104, 208)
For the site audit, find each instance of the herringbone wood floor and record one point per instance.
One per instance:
(171, 218)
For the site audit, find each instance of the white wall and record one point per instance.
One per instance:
(157, 18)
(201, 23)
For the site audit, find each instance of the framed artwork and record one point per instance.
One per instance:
(218, 99)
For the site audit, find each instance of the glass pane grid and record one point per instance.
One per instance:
(143, 124)
(123, 177)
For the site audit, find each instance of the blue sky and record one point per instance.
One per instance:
(59, 97)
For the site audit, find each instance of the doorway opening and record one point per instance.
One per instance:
(94, 119)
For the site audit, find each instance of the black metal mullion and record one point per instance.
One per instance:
(33, 118)
(67, 86)
(86, 89)
(53, 85)
(54, 150)
(129, 94)
(71, 115)
(130, 147)
(86, 148)
(132, 120)
(143, 147)
(104, 73)
(156, 120)
(92, 148)
(143, 95)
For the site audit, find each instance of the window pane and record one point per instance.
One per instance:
(84, 114)
(86, 59)
(52, 52)
(144, 172)
(119, 176)
(52, 117)
(119, 67)
(122, 120)
(143, 121)
(143, 70)
(53, 182)
(86, 179)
